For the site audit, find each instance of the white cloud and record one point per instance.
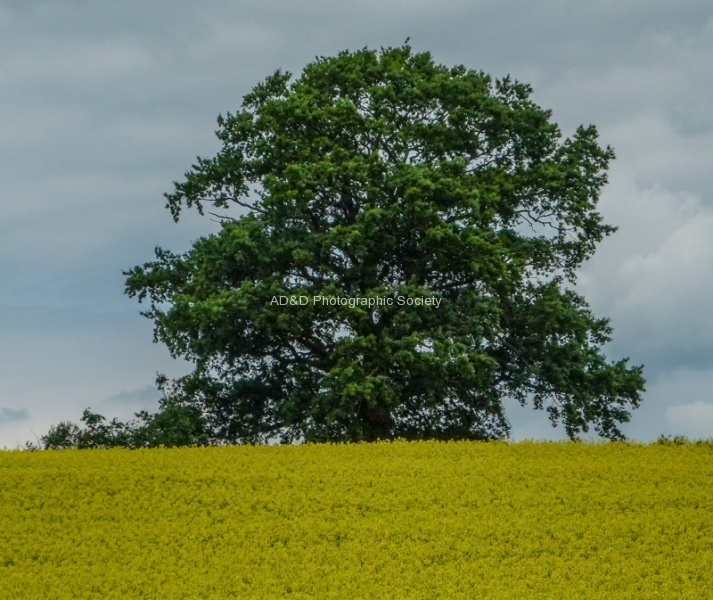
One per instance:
(668, 391)
(692, 420)
(530, 424)
(651, 276)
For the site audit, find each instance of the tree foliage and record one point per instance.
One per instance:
(383, 175)
(171, 426)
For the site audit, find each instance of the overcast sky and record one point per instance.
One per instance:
(103, 104)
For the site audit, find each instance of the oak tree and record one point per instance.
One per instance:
(397, 246)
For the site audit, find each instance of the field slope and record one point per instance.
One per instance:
(388, 520)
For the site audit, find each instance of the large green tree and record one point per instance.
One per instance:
(384, 177)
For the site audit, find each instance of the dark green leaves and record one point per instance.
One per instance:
(385, 176)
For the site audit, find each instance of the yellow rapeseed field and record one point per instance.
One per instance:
(388, 520)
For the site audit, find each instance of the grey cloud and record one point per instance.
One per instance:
(12, 415)
(146, 397)
(105, 103)
(59, 361)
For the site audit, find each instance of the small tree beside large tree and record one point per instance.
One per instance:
(385, 178)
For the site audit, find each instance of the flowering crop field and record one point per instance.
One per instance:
(389, 520)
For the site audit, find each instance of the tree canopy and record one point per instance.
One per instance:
(173, 425)
(399, 260)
